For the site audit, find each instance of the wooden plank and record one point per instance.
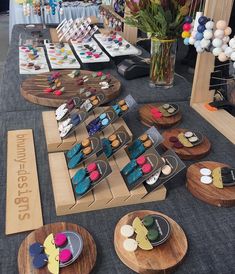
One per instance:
(23, 205)
(61, 183)
(221, 120)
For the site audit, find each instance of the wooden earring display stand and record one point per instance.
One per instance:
(221, 119)
(53, 140)
(221, 197)
(162, 259)
(111, 193)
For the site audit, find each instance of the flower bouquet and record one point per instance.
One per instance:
(162, 21)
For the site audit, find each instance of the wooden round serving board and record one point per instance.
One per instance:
(210, 194)
(32, 88)
(162, 259)
(83, 265)
(185, 153)
(148, 120)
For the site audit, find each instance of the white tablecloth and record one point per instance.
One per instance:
(17, 16)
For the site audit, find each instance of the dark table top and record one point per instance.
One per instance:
(210, 230)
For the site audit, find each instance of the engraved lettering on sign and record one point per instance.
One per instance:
(23, 197)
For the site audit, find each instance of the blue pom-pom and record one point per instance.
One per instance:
(201, 28)
(203, 20)
(199, 36)
(186, 41)
(188, 19)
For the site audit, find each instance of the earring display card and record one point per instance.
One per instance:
(111, 115)
(68, 126)
(64, 110)
(115, 45)
(150, 138)
(115, 141)
(90, 52)
(61, 56)
(172, 166)
(87, 178)
(139, 170)
(83, 151)
(32, 60)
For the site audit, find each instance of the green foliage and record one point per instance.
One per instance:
(158, 22)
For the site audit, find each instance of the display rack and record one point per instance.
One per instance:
(129, 33)
(201, 95)
(113, 192)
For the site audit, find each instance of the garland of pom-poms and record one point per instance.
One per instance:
(36, 5)
(205, 35)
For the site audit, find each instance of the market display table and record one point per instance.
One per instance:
(209, 230)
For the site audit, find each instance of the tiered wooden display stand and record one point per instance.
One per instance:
(32, 88)
(186, 153)
(221, 119)
(210, 194)
(83, 265)
(148, 120)
(110, 193)
(163, 259)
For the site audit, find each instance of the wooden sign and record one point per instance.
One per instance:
(161, 259)
(23, 205)
(83, 265)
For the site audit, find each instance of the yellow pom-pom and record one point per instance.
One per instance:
(185, 34)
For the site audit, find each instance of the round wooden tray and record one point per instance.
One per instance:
(185, 153)
(160, 260)
(32, 88)
(210, 194)
(83, 265)
(148, 120)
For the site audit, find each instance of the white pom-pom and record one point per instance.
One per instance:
(228, 51)
(222, 57)
(232, 43)
(210, 25)
(199, 49)
(205, 43)
(191, 41)
(217, 43)
(219, 33)
(224, 46)
(232, 56)
(226, 39)
(197, 43)
(208, 34)
(216, 51)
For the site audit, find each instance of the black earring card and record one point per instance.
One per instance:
(83, 115)
(77, 102)
(95, 144)
(154, 159)
(153, 135)
(122, 137)
(104, 169)
(176, 166)
(100, 97)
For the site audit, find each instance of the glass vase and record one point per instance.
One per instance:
(162, 67)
